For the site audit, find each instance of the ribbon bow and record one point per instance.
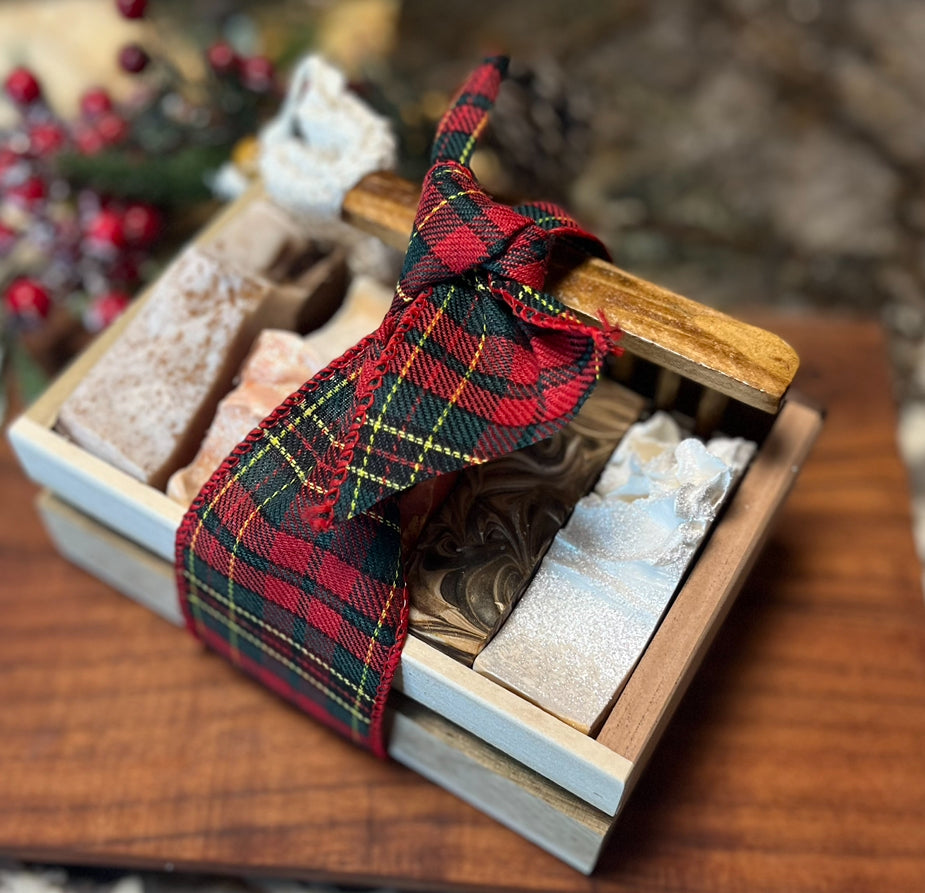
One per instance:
(289, 561)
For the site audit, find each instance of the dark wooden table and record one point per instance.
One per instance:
(796, 762)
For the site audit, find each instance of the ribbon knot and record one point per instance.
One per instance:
(289, 560)
(460, 228)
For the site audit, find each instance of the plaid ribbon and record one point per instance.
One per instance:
(289, 561)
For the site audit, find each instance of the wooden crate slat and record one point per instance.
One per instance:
(742, 361)
(484, 776)
(684, 635)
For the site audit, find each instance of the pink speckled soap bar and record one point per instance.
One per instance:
(279, 364)
(144, 406)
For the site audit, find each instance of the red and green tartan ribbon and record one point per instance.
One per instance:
(289, 561)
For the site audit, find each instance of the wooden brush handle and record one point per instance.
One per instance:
(698, 342)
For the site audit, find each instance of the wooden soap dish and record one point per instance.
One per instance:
(548, 781)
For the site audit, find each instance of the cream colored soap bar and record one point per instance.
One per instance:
(307, 268)
(598, 596)
(280, 363)
(263, 238)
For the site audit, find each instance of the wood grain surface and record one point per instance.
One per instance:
(796, 760)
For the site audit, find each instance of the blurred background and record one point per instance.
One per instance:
(741, 152)
(738, 151)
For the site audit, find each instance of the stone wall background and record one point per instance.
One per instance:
(737, 151)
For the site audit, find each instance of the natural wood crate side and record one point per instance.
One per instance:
(487, 778)
(572, 761)
(561, 753)
(709, 347)
(685, 633)
(116, 499)
(483, 776)
(131, 570)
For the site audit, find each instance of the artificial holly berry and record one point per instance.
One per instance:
(142, 224)
(126, 268)
(133, 58)
(95, 101)
(46, 139)
(106, 231)
(222, 58)
(22, 86)
(27, 299)
(257, 73)
(132, 9)
(8, 161)
(104, 309)
(28, 193)
(112, 128)
(88, 141)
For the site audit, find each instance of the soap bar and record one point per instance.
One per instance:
(263, 238)
(598, 596)
(144, 406)
(279, 364)
(276, 367)
(477, 554)
(324, 140)
(307, 267)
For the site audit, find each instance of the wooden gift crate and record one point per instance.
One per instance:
(548, 781)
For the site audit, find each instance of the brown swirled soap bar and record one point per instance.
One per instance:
(477, 554)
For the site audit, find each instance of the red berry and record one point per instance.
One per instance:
(106, 230)
(133, 58)
(22, 86)
(104, 309)
(8, 239)
(132, 9)
(125, 269)
(8, 160)
(257, 73)
(95, 101)
(142, 224)
(27, 299)
(112, 128)
(222, 58)
(28, 193)
(45, 139)
(88, 141)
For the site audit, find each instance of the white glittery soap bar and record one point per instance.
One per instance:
(598, 596)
